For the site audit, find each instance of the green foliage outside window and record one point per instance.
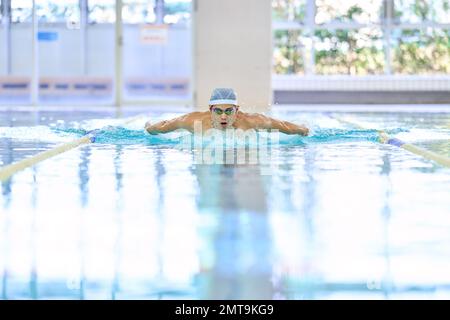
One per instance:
(417, 11)
(289, 10)
(422, 52)
(352, 52)
(58, 11)
(361, 51)
(348, 11)
(288, 52)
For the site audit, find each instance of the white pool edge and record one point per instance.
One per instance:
(429, 108)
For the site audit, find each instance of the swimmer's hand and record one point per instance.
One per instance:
(303, 131)
(151, 128)
(285, 127)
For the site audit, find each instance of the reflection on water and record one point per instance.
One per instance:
(349, 219)
(238, 265)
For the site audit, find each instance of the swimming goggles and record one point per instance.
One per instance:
(228, 111)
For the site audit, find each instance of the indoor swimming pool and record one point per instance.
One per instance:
(339, 215)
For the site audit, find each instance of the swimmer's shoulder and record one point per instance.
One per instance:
(188, 120)
(251, 115)
(196, 115)
(254, 119)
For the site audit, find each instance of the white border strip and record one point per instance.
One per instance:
(432, 108)
(360, 83)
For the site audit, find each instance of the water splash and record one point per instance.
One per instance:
(124, 136)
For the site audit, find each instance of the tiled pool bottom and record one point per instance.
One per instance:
(339, 219)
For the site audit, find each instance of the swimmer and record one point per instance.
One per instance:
(224, 114)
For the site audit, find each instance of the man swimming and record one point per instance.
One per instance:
(224, 114)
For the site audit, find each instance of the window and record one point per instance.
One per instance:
(418, 11)
(50, 11)
(21, 11)
(351, 11)
(425, 51)
(54, 11)
(138, 11)
(349, 51)
(289, 52)
(177, 11)
(289, 10)
(352, 37)
(101, 11)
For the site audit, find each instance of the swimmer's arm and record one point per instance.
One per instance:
(182, 122)
(283, 126)
(164, 126)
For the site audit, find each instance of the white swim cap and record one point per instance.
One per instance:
(223, 96)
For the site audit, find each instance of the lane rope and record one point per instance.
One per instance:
(9, 170)
(386, 139)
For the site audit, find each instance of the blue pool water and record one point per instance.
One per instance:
(133, 216)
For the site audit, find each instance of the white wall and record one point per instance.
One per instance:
(64, 57)
(21, 50)
(172, 59)
(233, 48)
(100, 50)
(151, 71)
(3, 53)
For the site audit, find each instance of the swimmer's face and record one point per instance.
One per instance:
(223, 115)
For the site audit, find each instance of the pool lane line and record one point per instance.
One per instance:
(7, 171)
(386, 139)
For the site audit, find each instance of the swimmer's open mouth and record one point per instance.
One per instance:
(223, 123)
